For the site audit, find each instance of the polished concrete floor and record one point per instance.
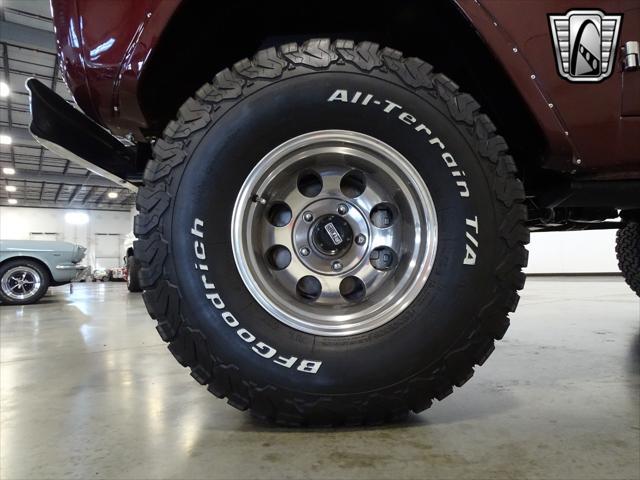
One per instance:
(88, 390)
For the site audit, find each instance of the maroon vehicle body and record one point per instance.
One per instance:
(103, 48)
(591, 129)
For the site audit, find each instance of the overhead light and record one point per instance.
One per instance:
(4, 90)
(12, 201)
(9, 171)
(112, 194)
(5, 140)
(10, 188)
(76, 218)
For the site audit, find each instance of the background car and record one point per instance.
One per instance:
(29, 267)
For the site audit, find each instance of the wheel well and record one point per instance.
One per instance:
(31, 259)
(206, 37)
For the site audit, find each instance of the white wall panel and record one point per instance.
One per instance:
(573, 252)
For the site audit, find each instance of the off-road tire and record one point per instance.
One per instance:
(133, 274)
(628, 253)
(44, 283)
(198, 337)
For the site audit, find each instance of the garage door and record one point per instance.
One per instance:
(108, 250)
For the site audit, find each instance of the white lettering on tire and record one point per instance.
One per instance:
(258, 347)
(389, 107)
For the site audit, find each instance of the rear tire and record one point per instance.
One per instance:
(133, 274)
(22, 282)
(215, 324)
(628, 253)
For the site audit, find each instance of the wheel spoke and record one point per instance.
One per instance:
(296, 201)
(277, 236)
(331, 289)
(371, 277)
(331, 183)
(289, 276)
(384, 237)
(369, 199)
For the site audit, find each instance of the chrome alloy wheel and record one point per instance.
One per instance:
(334, 233)
(20, 283)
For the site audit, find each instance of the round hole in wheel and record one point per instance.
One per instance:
(383, 258)
(309, 288)
(279, 214)
(279, 257)
(383, 215)
(309, 183)
(353, 184)
(352, 289)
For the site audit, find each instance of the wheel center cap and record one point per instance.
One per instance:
(332, 235)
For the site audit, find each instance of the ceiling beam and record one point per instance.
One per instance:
(28, 37)
(5, 60)
(63, 204)
(86, 180)
(87, 196)
(58, 192)
(75, 193)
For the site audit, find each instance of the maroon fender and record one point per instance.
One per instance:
(582, 122)
(103, 48)
(589, 128)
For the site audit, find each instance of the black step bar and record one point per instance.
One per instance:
(59, 127)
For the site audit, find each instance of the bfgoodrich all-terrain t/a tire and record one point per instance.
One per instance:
(337, 109)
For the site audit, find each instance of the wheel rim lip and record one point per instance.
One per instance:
(30, 273)
(338, 324)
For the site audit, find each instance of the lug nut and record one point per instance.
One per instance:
(361, 239)
(337, 266)
(304, 251)
(308, 216)
(342, 209)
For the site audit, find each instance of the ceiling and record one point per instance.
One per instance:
(41, 179)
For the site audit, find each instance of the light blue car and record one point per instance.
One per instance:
(29, 267)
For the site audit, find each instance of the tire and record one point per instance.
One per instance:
(628, 253)
(11, 293)
(133, 274)
(216, 326)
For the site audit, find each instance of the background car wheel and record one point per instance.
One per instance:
(628, 253)
(133, 274)
(377, 235)
(22, 282)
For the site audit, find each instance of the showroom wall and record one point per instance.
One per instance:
(103, 234)
(573, 252)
